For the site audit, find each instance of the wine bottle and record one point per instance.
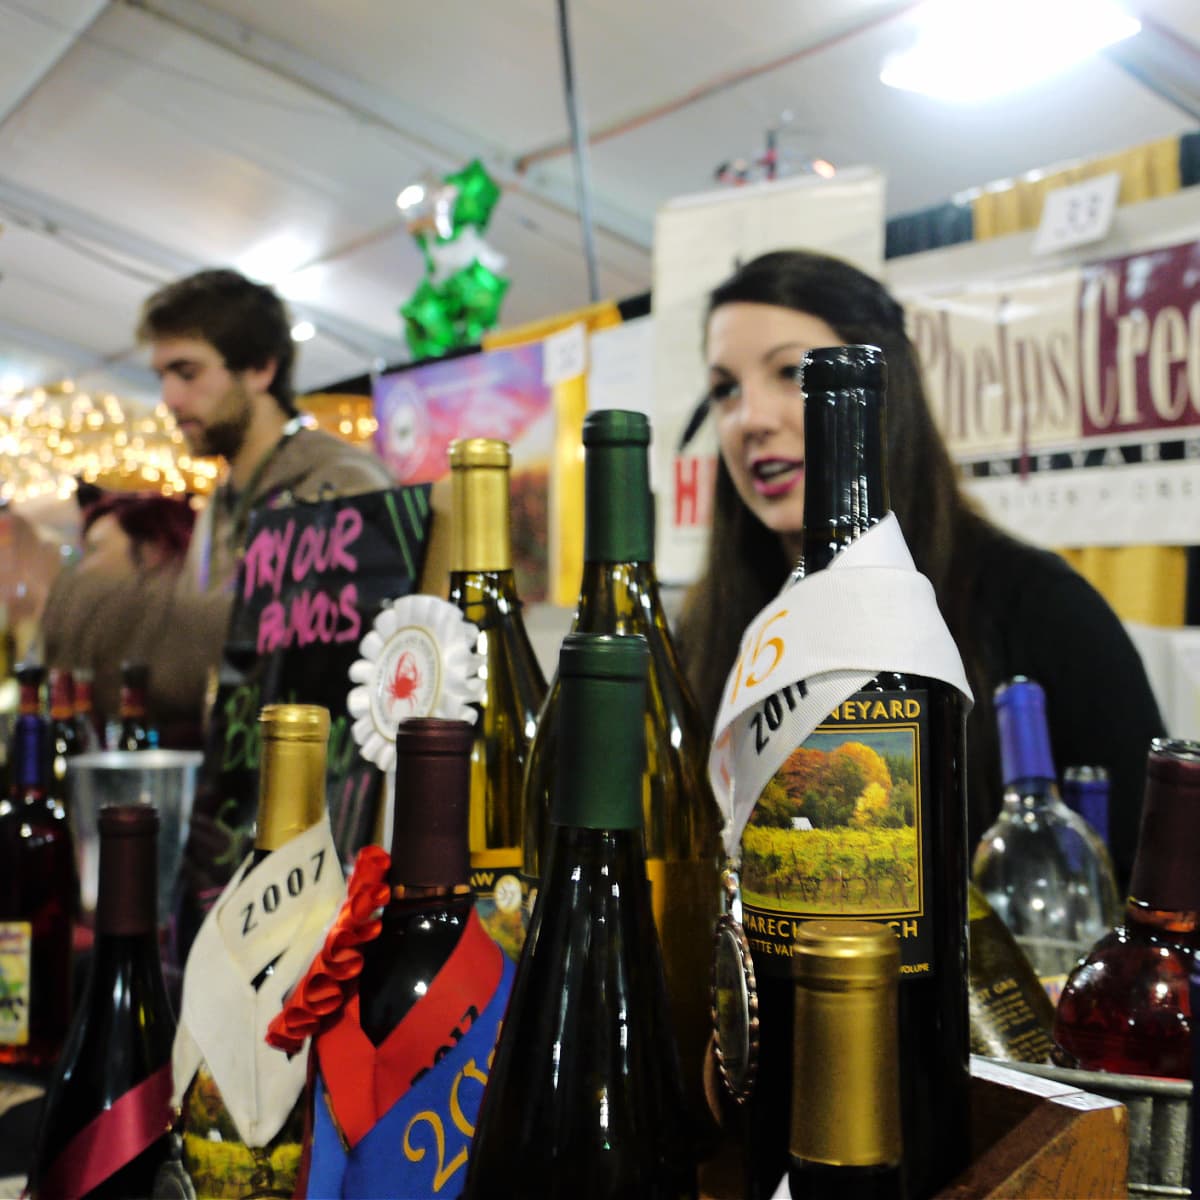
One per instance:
(585, 1095)
(87, 729)
(619, 595)
(105, 1131)
(1011, 1013)
(249, 1143)
(1125, 1008)
(866, 818)
(1085, 791)
(39, 893)
(845, 1110)
(135, 731)
(1042, 868)
(63, 733)
(403, 1067)
(483, 586)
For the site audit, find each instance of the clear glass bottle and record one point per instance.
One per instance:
(1043, 869)
(845, 1111)
(585, 1096)
(1126, 1008)
(483, 585)
(105, 1131)
(619, 595)
(815, 848)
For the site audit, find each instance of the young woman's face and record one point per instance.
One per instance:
(754, 353)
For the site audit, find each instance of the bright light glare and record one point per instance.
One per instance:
(970, 50)
(414, 193)
(824, 168)
(303, 331)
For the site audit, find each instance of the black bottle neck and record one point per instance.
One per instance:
(845, 476)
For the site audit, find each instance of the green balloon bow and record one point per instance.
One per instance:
(457, 310)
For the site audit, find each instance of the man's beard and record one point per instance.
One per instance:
(225, 434)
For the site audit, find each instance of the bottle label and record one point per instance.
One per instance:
(840, 831)
(502, 897)
(219, 1163)
(1003, 1022)
(16, 944)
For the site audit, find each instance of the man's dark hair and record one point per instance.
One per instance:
(244, 320)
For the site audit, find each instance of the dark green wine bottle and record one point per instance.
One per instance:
(682, 824)
(585, 1097)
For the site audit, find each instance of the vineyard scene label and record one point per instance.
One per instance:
(839, 830)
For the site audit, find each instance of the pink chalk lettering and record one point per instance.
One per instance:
(266, 559)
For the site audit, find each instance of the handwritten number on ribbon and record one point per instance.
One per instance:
(444, 1170)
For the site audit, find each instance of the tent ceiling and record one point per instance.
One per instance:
(143, 138)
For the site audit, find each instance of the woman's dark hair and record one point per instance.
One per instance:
(147, 519)
(746, 563)
(246, 321)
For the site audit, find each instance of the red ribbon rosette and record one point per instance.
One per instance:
(329, 982)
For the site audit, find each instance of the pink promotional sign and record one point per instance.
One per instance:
(493, 394)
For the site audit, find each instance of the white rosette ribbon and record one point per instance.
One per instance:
(418, 660)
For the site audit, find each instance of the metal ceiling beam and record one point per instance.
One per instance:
(1164, 62)
(440, 139)
(51, 216)
(74, 35)
(80, 360)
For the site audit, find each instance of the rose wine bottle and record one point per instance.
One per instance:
(39, 893)
(585, 1097)
(619, 595)
(105, 1131)
(483, 586)
(1125, 1008)
(866, 818)
(845, 1140)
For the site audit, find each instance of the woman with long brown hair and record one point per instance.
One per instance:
(1011, 607)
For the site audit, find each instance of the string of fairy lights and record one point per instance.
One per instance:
(51, 438)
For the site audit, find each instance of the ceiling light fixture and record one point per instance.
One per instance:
(303, 331)
(973, 50)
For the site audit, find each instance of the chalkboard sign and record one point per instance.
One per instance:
(313, 579)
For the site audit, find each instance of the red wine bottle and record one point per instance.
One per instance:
(1125, 1008)
(804, 855)
(430, 873)
(135, 732)
(64, 734)
(845, 1140)
(105, 1131)
(585, 1097)
(88, 732)
(38, 894)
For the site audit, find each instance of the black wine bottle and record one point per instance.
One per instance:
(866, 819)
(585, 1095)
(135, 731)
(845, 1139)
(105, 1131)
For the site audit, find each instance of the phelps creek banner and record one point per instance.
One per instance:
(1071, 397)
(311, 583)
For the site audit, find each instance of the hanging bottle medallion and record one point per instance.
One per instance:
(734, 996)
